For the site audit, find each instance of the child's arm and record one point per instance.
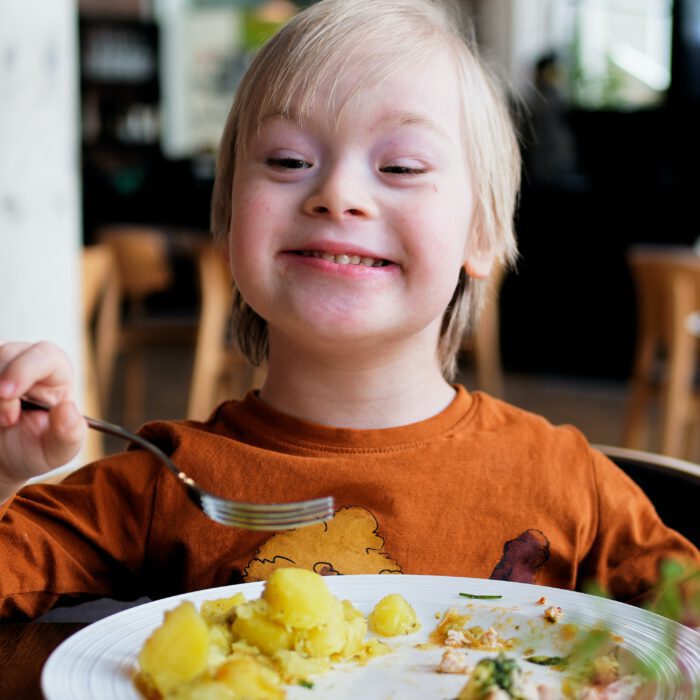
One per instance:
(632, 541)
(33, 443)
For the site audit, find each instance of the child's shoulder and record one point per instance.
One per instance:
(518, 425)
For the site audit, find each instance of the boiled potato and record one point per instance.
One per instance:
(235, 649)
(323, 640)
(220, 642)
(201, 689)
(253, 625)
(177, 651)
(355, 632)
(250, 678)
(299, 598)
(220, 610)
(392, 616)
(295, 668)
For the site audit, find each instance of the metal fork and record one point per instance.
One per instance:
(248, 516)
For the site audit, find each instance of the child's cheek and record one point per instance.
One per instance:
(249, 212)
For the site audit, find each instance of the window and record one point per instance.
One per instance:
(621, 53)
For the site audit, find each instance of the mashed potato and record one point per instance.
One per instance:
(235, 649)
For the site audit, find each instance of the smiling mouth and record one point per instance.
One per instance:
(344, 258)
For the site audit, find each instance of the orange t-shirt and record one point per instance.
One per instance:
(483, 489)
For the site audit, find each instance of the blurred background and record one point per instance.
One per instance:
(110, 116)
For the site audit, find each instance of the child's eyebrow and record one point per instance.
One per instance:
(290, 116)
(389, 122)
(396, 120)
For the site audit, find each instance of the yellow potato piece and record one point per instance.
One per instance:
(177, 651)
(299, 598)
(295, 668)
(252, 626)
(250, 679)
(218, 610)
(324, 640)
(203, 689)
(355, 633)
(392, 616)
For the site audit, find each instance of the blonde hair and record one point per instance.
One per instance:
(312, 50)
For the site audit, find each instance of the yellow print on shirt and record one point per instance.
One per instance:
(347, 544)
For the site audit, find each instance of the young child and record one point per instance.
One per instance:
(366, 185)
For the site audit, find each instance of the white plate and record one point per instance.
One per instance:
(100, 660)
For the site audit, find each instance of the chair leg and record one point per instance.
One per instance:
(487, 352)
(642, 390)
(681, 373)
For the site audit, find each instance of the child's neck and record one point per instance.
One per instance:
(343, 392)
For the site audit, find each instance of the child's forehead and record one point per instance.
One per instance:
(410, 83)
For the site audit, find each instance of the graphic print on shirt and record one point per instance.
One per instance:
(347, 544)
(522, 557)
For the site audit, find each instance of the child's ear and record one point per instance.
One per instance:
(479, 257)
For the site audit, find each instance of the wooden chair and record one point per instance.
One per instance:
(672, 485)
(220, 370)
(100, 314)
(667, 283)
(483, 345)
(143, 260)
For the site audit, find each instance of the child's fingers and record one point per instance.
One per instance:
(41, 367)
(9, 406)
(64, 438)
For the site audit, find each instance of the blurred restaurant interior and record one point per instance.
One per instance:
(110, 115)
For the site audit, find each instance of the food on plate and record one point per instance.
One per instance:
(454, 630)
(178, 650)
(553, 613)
(499, 678)
(588, 663)
(453, 661)
(393, 616)
(238, 649)
(478, 596)
(235, 649)
(502, 678)
(603, 677)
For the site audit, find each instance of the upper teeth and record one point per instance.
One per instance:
(345, 259)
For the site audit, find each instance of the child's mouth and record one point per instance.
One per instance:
(344, 258)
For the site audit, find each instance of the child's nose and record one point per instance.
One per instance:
(340, 196)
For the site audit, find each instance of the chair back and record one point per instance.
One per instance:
(100, 314)
(145, 256)
(220, 371)
(483, 343)
(656, 270)
(142, 259)
(667, 284)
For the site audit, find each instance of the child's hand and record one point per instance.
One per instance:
(34, 442)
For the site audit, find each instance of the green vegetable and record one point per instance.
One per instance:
(306, 684)
(504, 671)
(548, 660)
(498, 672)
(480, 597)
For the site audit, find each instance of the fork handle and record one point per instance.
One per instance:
(27, 404)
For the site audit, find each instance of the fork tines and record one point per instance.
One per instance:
(269, 517)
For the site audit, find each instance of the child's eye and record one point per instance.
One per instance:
(401, 170)
(288, 163)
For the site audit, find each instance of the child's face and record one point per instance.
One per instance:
(384, 183)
